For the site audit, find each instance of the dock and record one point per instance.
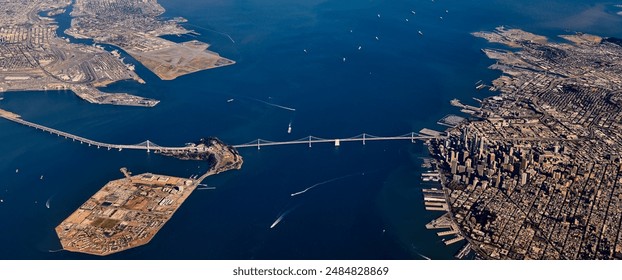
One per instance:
(454, 240)
(464, 251)
(442, 222)
(435, 200)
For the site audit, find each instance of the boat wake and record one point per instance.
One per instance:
(325, 182)
(56, 251)
(280, 218)
(417, 252)
(423, 256)
(212, 30)
(274, 105)
(47, 203)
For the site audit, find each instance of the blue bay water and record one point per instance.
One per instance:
(399, 83)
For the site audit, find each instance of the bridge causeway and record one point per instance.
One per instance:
(150, 146)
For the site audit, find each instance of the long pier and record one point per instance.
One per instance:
(150, 146)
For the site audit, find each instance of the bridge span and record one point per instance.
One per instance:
(150, 146)
(309, 140)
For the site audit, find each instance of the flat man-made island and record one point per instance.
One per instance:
(128, 212)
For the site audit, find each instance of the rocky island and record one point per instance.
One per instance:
(219, 155)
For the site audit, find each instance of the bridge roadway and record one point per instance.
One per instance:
(309, 140)
(149, 146)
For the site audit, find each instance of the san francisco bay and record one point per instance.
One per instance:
(346, 67)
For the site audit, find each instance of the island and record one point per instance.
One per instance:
(128, 212)
(535, 173)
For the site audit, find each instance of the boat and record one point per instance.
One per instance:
(230, 100)
(412, 12)
(289, 128)
(377, 38)
(41, 178)
(360, 48)
(344, 59)
(420, 33)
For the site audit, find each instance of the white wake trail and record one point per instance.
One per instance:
(324, 182)
(280, 218)
(212, 30)
(274, 105)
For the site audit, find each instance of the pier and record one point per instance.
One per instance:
(435, 200)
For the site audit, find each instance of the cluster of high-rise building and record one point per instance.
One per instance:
(535, 173)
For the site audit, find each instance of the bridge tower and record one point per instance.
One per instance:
(258, 144)
(148, 151)
(412, 137)
(309, 141)
(363, 139)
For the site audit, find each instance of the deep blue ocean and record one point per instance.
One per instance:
(400, 83)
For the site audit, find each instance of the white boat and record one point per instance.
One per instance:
(289, 128)
(412, 12)
(230, 100)
(420, 33)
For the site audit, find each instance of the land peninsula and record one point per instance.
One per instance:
(536, 172)
(34, 58)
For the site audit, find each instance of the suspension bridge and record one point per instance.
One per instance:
(150, 146)
(310, 140)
